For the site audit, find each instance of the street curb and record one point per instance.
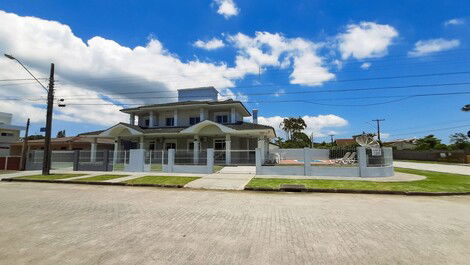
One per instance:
(383, 192)
(92, 183)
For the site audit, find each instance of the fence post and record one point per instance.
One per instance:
(210, 160)
(307, 161)
(6, 162)
(76, 160)
(362, 160)
(258, 160)
(196, 153)
(171, 160)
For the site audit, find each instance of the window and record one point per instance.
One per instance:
(222, 118)
(190, 145)
(6, 134)
(170, 122)
(147, 122)
(170, 146)
(194, 120)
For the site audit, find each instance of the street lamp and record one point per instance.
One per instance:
(466, 107)
(46, 165)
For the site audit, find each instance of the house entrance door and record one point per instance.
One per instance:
(219, 151)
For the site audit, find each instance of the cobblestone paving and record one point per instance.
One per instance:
(80, 224)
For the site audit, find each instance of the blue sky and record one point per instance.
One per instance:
(330, 30)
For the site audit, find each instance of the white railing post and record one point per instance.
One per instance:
(171, 160)
(258, 160)
(307, 162)
(362, 160)
(196, 153)
(210, 160)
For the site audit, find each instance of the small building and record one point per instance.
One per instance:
(345, 142)
(402, 144)
(64, 144)
(8, 133)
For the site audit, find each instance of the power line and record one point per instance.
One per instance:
(305, 101)
(336, 81)
(432, 130)
(21, 79)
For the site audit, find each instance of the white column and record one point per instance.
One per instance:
(151, 119)
(307, 162)
(132, 119)
(202, 114)
(93, 150)
(261, 146)
(259, 163)
(116, 150)
(196, 150)
(141, 145)
(362, 160)
(175, 117)
(171, 160)
(228, 148)
(232, 115)
(210, 160)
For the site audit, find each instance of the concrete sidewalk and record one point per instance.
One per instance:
(221, 181)
(464, 170)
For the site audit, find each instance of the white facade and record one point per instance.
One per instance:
(8, 133)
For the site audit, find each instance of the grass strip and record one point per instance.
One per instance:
(162, 180)
(434, 182)
(100, 178)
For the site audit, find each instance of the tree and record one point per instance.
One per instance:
(459, 141)
(61, 134)
(430, 142)
(292, 125)
(36, 137)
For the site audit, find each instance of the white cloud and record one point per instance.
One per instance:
(97, 68)
(365, 66)
(212, 44)
(279, 92)
(366, 40)
(454, 22)
(227, 8)
(319, 126)
(425, 47)
(273, 49)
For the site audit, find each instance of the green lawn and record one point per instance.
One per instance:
(51, 177)
(161, 180)
(101, 178)
(431, 162)
(434, 182)
(153, 167)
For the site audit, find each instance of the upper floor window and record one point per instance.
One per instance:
(170, 121)
(6, 134)
(221, 118)
(147, 122)
(194, 120)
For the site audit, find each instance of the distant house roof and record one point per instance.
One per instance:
(69, 139)
(345, 141)
(188, 103)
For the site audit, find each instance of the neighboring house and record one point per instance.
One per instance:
(197, 121)
(64, 144)
(8, 133)
(402, 144)
(345, 142)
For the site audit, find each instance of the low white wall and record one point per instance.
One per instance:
(196, 169)
(281, 170)
(377, 172)
(320, 154)
(335, 171)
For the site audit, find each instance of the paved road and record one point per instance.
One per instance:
(80, 224)
(457, 169)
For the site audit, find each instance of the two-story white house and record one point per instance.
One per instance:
(197, 121)
(8, 133)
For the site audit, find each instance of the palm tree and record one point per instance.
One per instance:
(292, 125)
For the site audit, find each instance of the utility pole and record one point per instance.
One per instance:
(25, 147)
(331, 137)
(378, 127)
(46, 166)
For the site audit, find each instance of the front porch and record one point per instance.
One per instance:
(231, 146)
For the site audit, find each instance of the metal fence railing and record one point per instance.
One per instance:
(376, 157)
(243, 157)
(189, 157)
